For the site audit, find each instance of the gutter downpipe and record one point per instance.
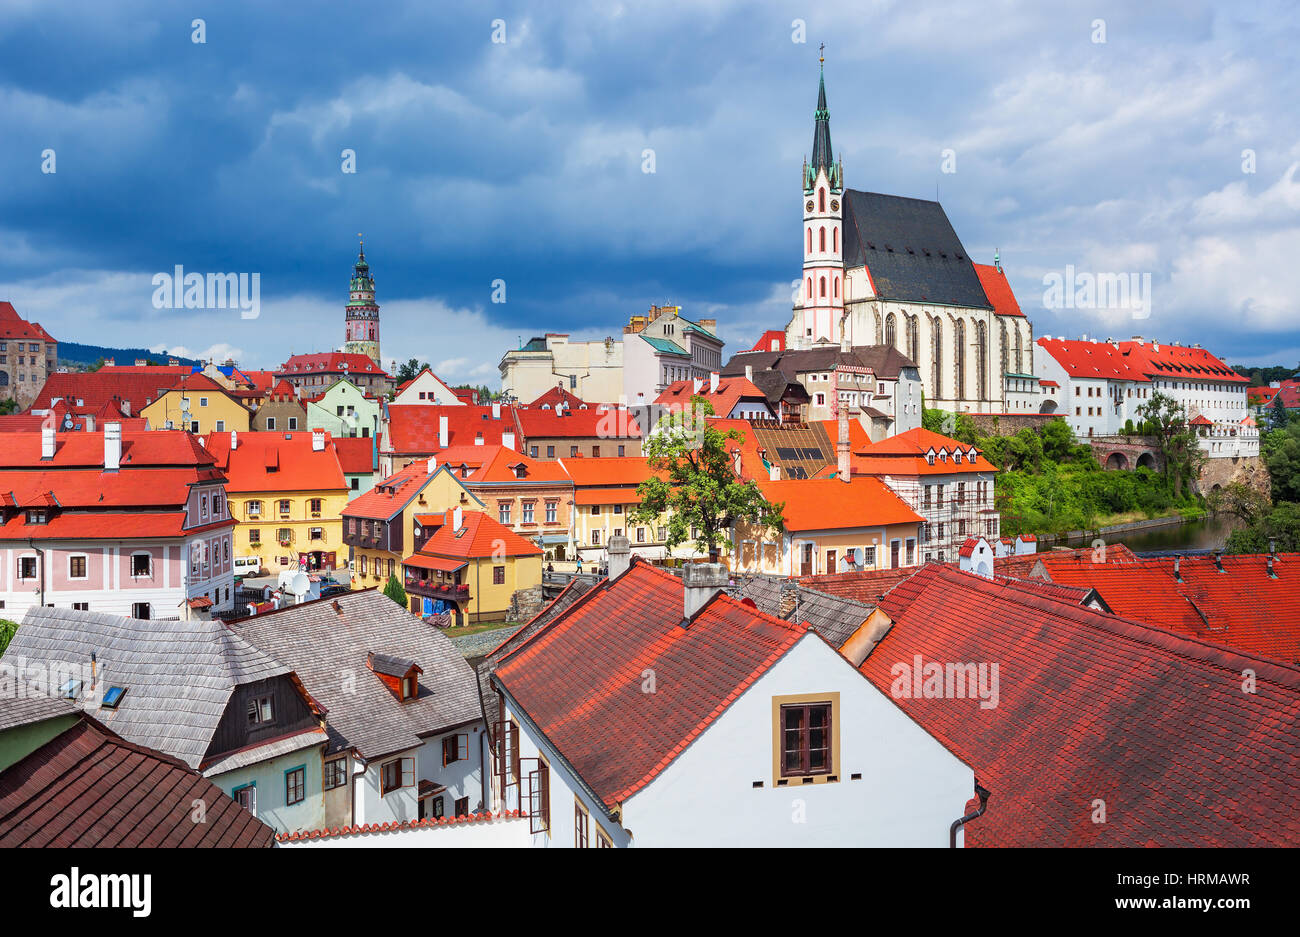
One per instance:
(979, 812)
(40, 573)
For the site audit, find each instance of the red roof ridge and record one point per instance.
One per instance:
(393, 826)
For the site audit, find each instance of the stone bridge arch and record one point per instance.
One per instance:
(1119, 453)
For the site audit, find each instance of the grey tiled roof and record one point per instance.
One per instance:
(179, 674)
(28, 705)
(833, 617)
(327, 649)
(885, 360)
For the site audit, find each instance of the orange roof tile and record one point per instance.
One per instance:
(832, 504)
(479, 536)
(275, 461)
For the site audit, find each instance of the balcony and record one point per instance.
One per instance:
(431, 588)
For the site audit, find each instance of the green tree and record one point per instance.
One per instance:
(1281, 525)
(1176, 441)
(393, 589)
(1281, 451)
(8, 406)
(7, 629)
(695, 486)
(409, 370)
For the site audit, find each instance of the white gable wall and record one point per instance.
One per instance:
(912, 788)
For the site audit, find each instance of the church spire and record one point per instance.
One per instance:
(823, 156)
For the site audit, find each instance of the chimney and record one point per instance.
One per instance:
(701, 582)
(112, 446)
(1178, 576)
(478, 439)
(234, 440)
(457, 518)
(1218, 559)
(789, 597)
(508, 440)
(774, 473)
(496, 409)
(842, 447)
(713, 382)
(432, 465)
(47, 441)
(318, 440)
(1271, 574)
(620, 556)
(442, 432)
(696, 384)
(735, 460)
(749, 373)
(1272, 546)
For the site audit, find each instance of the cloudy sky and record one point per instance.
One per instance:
(1171, 148)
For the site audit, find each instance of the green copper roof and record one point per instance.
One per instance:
(667, 347)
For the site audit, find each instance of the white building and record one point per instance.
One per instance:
(592, 371)
(1103, 384)
(664, 347)
(696, 720)
(426, 387)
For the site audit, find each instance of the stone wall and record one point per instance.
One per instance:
(1008, 424)
(1219, 473)
(525, 604)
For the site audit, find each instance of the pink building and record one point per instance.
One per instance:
(130, 523)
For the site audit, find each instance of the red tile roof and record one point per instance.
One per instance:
(14, 326)
(555, 396)
(998, 290)
(601, 420)
(863, 502)
(1241, 607)
(175, 448)
(1096, 360)
(87, 787)
(906, 454)
(765, 341)
(329, 363)
(390, 495)
(731, 391)
(1096, 707)
(616, 737)
(1179, 362)
(866, 586)
(413, 428)
(275, 461)
(1261, 396)
(357, 454)
(607, 471)
(502, 465)
(479, 536)
(136, 387)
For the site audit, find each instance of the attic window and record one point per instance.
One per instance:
(70, 690)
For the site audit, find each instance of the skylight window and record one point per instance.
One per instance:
(113, 697)
(70, 690)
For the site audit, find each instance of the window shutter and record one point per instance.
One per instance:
(408, 772)
(462, 747)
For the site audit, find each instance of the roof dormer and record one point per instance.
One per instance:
(401, 676)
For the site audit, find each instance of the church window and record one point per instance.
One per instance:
(835, 240)
(823, 286)
(810, 292)
(821, 199)
(837, 287)
(821, 240)
(810, 240)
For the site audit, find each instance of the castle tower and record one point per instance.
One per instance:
(362, 318)
(821, 297)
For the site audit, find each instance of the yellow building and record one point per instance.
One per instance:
(469, 564)
(379, 525)
(287, 492)
(200, 405)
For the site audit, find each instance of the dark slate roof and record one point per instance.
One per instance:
(776, 385)
(576, 589)
(179, 674)
(822, 155)
(835, 618)
(910, 249)
(89, 787)
(320, 644)
(885, 360)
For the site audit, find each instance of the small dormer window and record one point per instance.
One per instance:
(929, 457)
(956, 457)
(38, 517)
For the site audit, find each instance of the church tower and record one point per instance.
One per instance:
(821, 297)
(362, 317)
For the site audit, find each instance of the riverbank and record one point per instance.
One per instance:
(1117, 531)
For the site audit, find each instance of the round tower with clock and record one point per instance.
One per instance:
(362, 316)
(820, 305)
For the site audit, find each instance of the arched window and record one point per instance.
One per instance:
(821, 240)
(823, 285)
(936, 359)
(1002, 360)
(837, 287)
(959, 358)
(810, 240)
(810, 292)
(835, 240)
(982, 359)
(1019, 351)
(913, 338)
(889, 330)
(821, 199)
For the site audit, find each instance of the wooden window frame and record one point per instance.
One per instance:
(331, 770)
(255, 709)
(289, 801)
(459, 748)
(405, 767)
(539, 798)
(781, 705)
(581, 825)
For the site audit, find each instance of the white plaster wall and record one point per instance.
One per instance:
(269, 778)
(912, 788)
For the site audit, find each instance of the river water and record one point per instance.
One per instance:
(1208, 534)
